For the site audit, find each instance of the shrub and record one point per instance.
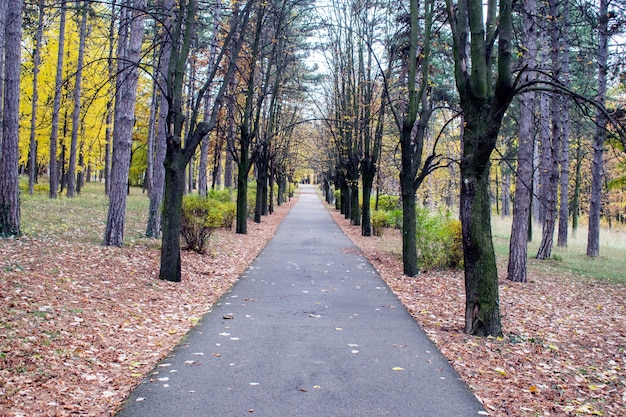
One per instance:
(394, 219)
(388, 202)
(379, 220)
(229, 213)
(439, 240)
(200, 218)
(224, 196)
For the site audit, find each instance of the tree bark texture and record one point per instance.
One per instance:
(56, 105)
(153, 228)
(9, 181)
(518, 245)
(71, 174)
(597, 164)
(32, 152)
(129, 52)
(565, 133)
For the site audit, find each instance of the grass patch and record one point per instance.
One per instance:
(610, 266)
(82, 218)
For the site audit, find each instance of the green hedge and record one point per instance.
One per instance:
(201, 217)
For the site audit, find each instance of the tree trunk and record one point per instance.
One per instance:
(152, 123)
(153, 228)
(242, 198)
(172, 212)
(595, 204)
(9, 181)
(409, 230)
(108, 133)
(518, 246)
(129, 52)
(32, 154)
(577, 182)
(71, 173)
(482, 315)
(56, 105)
(565, 134)
(552, 169)
(3, 15)
(368, 172)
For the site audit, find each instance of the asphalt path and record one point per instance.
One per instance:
(309, 330)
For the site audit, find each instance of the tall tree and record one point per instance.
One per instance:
(597, 166)
(565, 127)
(128, 55)
(164, 30)
(3, 12)
(178, 156)
(9, 181)
(71, 175)
(553, 143)
(518, 247)
(484, 105)
(413, 128)
(56, 104)
(32, 151)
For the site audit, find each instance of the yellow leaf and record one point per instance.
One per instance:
(500, 371)
(172, 331)
(533, 389)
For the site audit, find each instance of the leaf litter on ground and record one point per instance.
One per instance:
(83, 324)
(563, 351)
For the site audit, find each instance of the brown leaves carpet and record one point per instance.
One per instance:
(80, 325)
(564, 347)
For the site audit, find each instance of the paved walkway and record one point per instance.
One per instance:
(309, 330)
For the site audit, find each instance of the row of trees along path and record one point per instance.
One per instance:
(359, 92)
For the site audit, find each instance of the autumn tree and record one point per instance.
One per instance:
(484, 100)
(178, 154)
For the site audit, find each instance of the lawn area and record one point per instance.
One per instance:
(610, 266)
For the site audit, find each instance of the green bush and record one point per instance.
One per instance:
(439, 240)
(379, 220)
(225, 195)
(388, 202)
(200, 217)
(394, 219)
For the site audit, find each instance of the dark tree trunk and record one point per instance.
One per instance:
(482, 315)
(242, 200)
(368, 172)
(172, 212)
(9, 181)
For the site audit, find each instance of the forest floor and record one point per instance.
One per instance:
(563, 352)
(82, 324)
